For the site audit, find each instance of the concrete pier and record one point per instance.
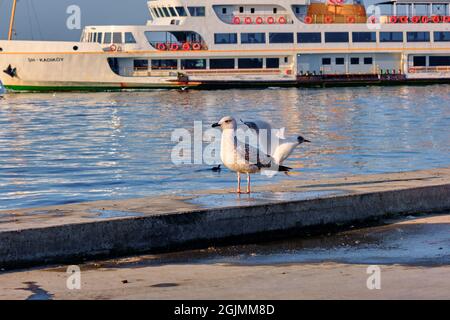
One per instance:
(71, 233)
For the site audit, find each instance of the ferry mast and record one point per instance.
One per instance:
(11, 22)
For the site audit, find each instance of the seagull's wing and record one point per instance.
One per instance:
(258, 125)
(263, 130)
(252, 155)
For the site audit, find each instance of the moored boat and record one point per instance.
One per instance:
(224, 43)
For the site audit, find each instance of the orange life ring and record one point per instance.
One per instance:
(186, 46)
(351, 19)
(425, 19)
(196, 46)
(404, 19)
(248, 20)
(236, 20)
(282, 20)
(308, 20)
(259, 20)
(113, 47)
(270, 20)
(436, 19)
(328, 19)
(174, 47)
(415, 19)
(393, 19)
(161, 46)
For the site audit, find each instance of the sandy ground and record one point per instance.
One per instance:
(413, 256)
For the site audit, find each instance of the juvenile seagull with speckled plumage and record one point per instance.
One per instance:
(241, 157)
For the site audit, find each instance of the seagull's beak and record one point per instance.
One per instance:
(307, 141)
(215, 125)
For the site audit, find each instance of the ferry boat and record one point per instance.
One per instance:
(230, 43)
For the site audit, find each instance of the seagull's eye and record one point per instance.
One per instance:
(228, 121)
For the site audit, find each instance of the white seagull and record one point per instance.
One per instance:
(283, 151)
(242, 158)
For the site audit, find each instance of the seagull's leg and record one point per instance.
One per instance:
(248, 183)
(239, 182)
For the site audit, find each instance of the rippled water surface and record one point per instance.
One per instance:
(76, 147)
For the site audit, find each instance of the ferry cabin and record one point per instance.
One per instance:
(200, 43)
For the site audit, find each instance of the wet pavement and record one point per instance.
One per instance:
(415, 241)
(413, 253)
(259, 198)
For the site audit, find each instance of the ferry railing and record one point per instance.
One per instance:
(231, 71)
(164, 71)
(331, 18)
(395, 19)
(255, 18)
(179, 46)
(429, 69)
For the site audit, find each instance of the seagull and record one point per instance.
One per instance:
(264, 132)
(283, 151)
(242, 158)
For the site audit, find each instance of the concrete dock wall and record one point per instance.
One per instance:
(26, 245)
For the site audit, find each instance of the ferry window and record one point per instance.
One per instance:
(224, 38)
(129, 38)
(166, 12)
(419, 61)
(156, 13)
(172, 12)
(221, 64)
(252, 10)
(224, 10)
(94, 39)
(391, 36)
(117, 37)
(418, 36)
(275, 10)
(281, 37)
(440, 36)
(241, 9)
(309, 37)
(181, 11)
(197, 11)
(253, 38)
(140, 64)
(437, 61)
(340, 61)
(193, 64)
(368, 60)
(249, 63)
(100, 37)
(168, 64)
(326, 61)
(161, 13)
(107, 39)
(272, 63)
(354, 60)
(336, 36)
(364, 37)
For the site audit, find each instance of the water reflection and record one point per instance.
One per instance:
(75, 147)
